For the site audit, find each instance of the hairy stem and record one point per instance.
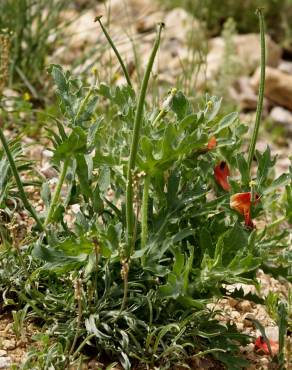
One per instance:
(134, 147)
(18, 181)
(261, 91)
(144, 221)
(57, 192)
(110, 41)
(126, 288)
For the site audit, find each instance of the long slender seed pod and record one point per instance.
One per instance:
(110, 41)
(134, 146)
(261, 90)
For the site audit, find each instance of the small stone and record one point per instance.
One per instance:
(244, 306)
(285, 66)
(3, 352)
(8, 344)
(232, 302)
(249, 348)
(247, 322)
(239, 326)
(5, 362)
(272, 332)
(281, 115)
(235, 315)
(264, 361)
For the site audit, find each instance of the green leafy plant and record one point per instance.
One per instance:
(154, 236)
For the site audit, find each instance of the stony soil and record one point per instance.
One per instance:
(137, 21)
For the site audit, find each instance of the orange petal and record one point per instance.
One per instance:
(221, 174)
(212, 143)
(241, 202)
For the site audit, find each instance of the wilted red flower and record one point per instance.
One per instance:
(221, 173)
(212, 143)
(241, 202)
(262, 346)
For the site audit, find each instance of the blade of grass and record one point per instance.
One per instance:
(18, 181)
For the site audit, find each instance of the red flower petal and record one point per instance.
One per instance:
(262, 346)
(221, 174)
(241, 202)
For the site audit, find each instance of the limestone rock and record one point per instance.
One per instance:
(285, 66)
(179, 24)
(247, 51)
(244, 306)
(243, 93)
(281, 115)
(5, 362)
(83, 30)
(149, 22)
(8, 344)
(278, 86)
(272, 332)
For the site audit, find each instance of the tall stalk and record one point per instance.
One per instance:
(110, 41)
(18, 181)
(134, 146)
(261, 90)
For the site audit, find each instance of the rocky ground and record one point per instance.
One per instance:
(184, 48)
(14, 346)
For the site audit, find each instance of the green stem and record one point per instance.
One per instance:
(18, 181)
(110, 41)
(159, 116)
(83, 343)
(134, 147)
(57, 193)
(144, 224)
(261, 91)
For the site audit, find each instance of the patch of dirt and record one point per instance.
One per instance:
(14, 348)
